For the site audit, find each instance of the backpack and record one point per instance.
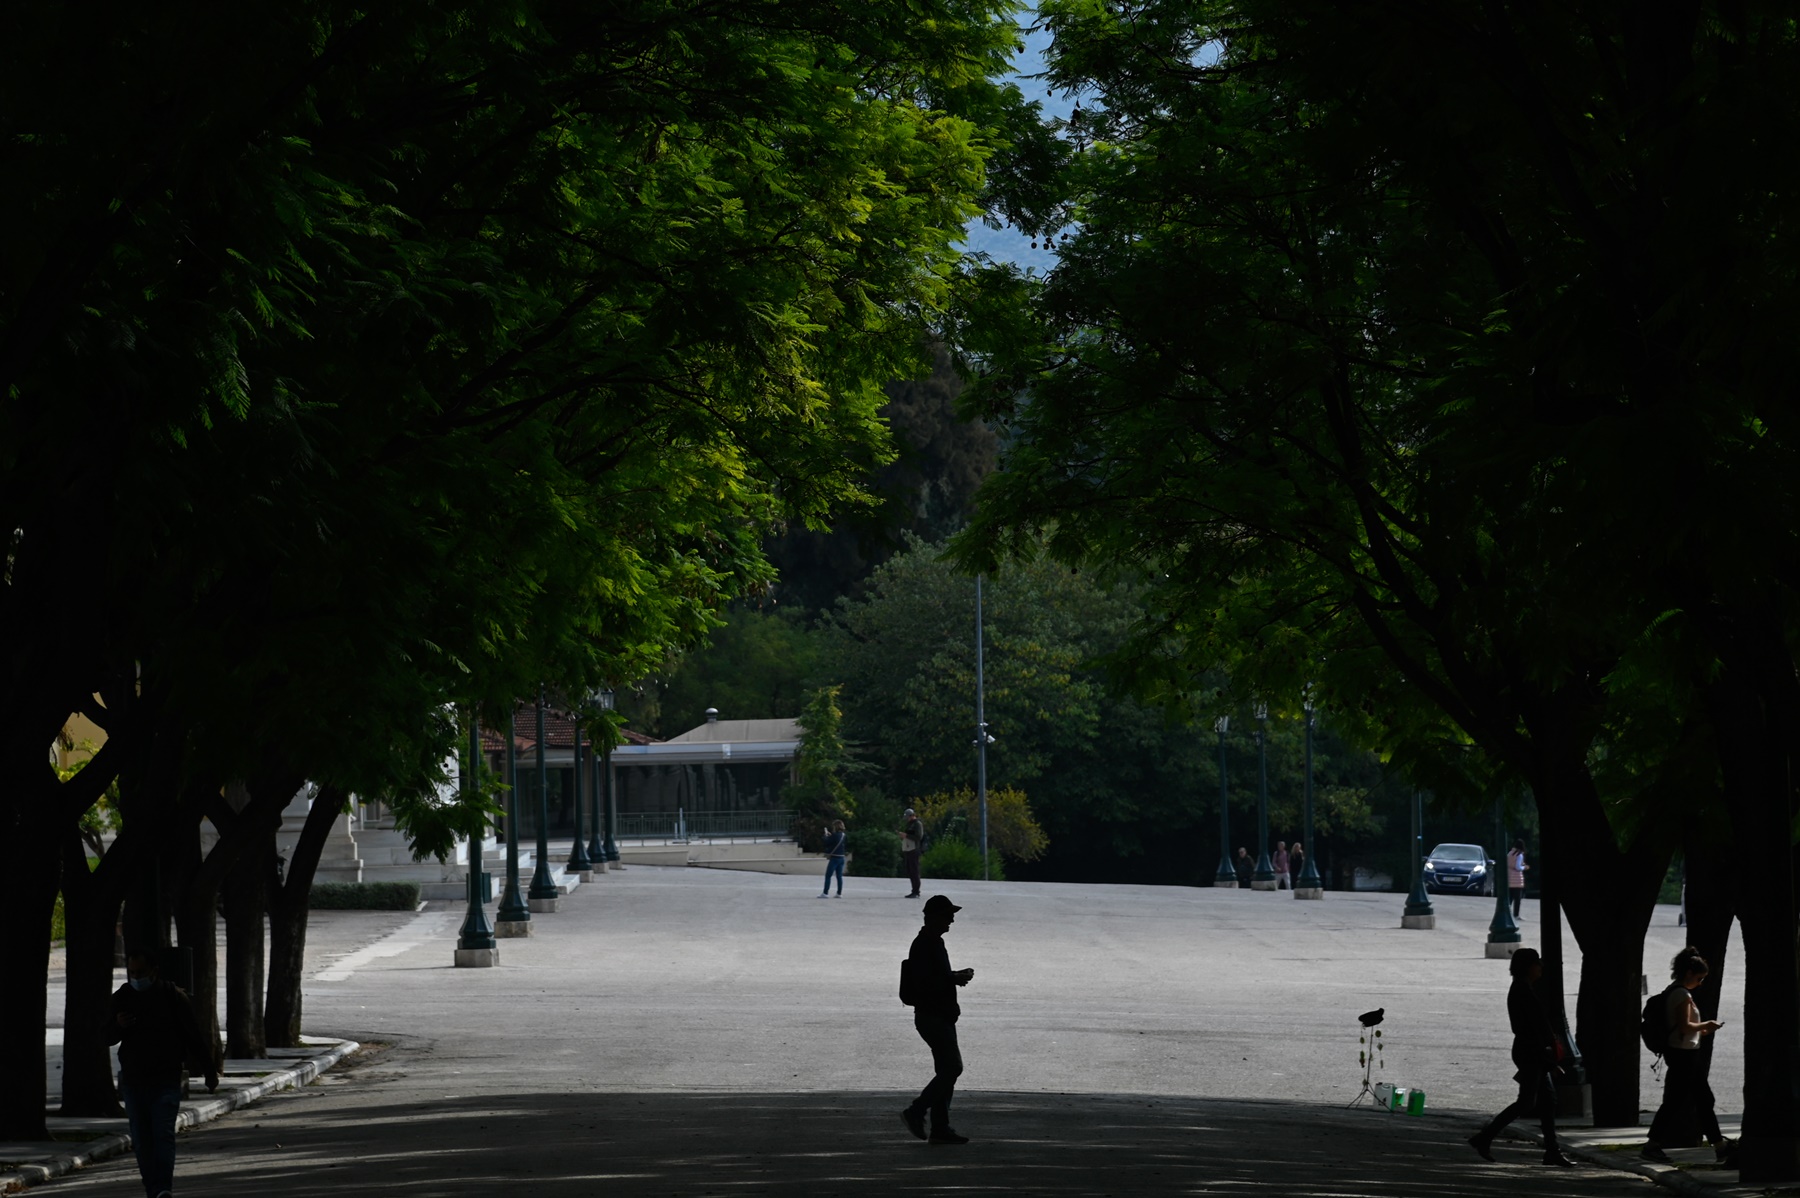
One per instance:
(907, 995)
(1653, 1027)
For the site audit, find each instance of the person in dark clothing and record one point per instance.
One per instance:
(1244, 866)
(154, 1026)
(935, 1012)
(1685, 1085)
(1534, 1052)
(835, 856)
(1296, 865)
(912, 846)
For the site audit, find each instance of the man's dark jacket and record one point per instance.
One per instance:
(165, 1034)
(934, 988)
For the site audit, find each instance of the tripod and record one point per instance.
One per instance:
(1371, 1036)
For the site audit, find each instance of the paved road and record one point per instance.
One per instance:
(694, 1031)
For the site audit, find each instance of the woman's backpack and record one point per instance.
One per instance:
(1653, 1027)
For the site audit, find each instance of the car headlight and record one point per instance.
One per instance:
(1430, 868)
(1479, 869)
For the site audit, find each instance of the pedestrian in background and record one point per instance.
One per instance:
(1534, 1051)
(1685, 1084)
(912, 845)
(1296, 864)
(154, 1026)
(1280, 863)
(1515, 874)
(935, 1012)
(1244, 866)
(834, 858)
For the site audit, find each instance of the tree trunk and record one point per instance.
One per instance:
(197, 931)
(246, 893)
(1752, 708)
(1607, 895)
(287, 920)
(91, 912)
(23, 997)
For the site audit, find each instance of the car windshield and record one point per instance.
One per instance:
(1458, 852)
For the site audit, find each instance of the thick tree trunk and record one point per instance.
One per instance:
(23, 996)
(1751, 705)
(1607, 895)
(197, 931)
(287, 921)
(91, 912)
(246, 894)
(1712, 878)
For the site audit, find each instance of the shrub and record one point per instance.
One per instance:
(953, 860)
(1012, 829)
(874, 853)
(364, 896)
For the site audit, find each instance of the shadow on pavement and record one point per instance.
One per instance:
(315, 1143)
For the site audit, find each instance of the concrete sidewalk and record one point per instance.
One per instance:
(77, 1143)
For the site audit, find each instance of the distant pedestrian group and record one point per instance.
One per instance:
(1287, 863)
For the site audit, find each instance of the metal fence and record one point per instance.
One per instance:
(679, 826)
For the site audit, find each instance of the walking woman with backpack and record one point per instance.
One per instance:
(1534, 1051)
(1678, 1034)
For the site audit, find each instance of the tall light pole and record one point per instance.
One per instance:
(1226, 878)
(578, 858)
(1503, 933)
(610, 792)
(1311, 885)
(602, 701)
(1418, 912)
(475, 945)
(514, 917)
(543, 896)
(1264, 877)
(982, 739)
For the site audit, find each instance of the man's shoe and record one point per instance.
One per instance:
(1651, 1151)
(947, 1136)
(915, 1121)
(1482, 1145)
(1726, 1153)
(1554, 1157)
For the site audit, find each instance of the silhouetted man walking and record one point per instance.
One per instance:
(155, 1029)
(932, 996)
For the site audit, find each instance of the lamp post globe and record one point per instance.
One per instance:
(1227, 876)
(1264, 876)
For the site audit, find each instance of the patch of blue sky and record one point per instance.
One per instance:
(1009, 244)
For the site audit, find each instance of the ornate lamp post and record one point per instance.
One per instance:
(578, 857)
(1503, 932)
(1264, 877)
(599, 849)
(1226, 878)
(475, 946)
(1418, 913)
(1311, 885)
(514, 917)
(543, 894)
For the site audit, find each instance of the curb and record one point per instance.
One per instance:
(1669, 1176)
(214, 1107)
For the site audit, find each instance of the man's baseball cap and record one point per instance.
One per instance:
(938, 902)
(910, 811)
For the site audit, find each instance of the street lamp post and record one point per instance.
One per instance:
(514, 917)
(1503, 933)
(1226, 878)
(475, 945)
(611, 795)
(543, 895)
(578, 857)
(1264, 877)
(597, 846)
(1311, 885)
(981, 733)
(1418, 913)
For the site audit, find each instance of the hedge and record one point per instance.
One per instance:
(364, 896)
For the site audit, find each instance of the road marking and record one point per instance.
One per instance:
(425, 927)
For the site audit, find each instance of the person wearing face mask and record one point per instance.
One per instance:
(154, 1026)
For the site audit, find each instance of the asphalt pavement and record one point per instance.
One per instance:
(689, 1031)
